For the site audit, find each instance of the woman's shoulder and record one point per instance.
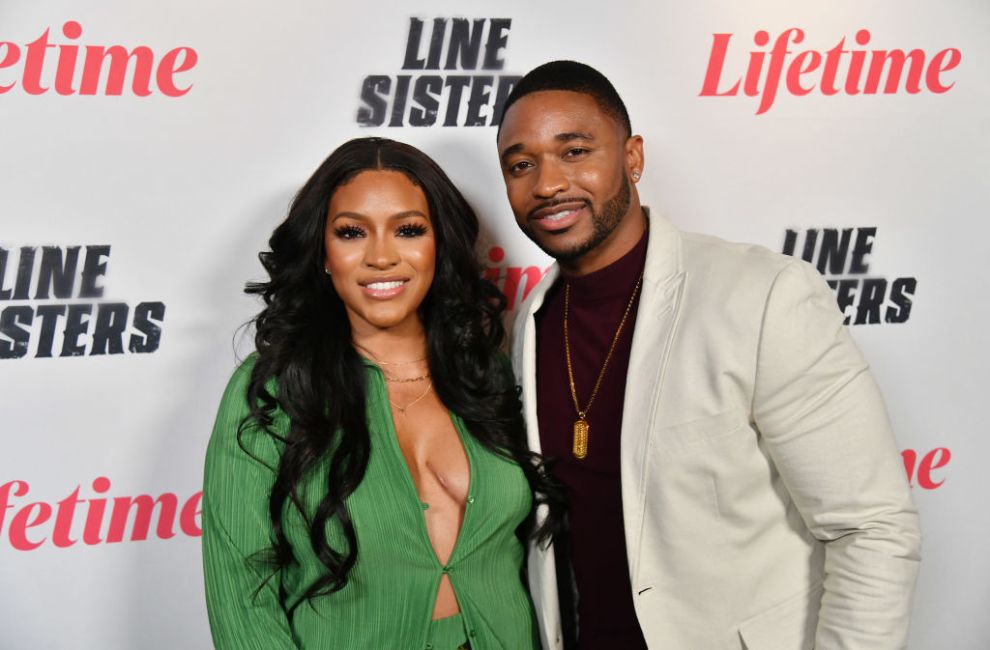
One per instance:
(242, 458)
(235, 426)
(242, 373)
(236, 393)
(234, 401)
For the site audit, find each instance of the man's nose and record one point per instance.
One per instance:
(550, 180)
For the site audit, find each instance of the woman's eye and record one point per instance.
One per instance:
(411, 230)
(349, 232)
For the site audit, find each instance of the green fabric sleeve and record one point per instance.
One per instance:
(243, 607)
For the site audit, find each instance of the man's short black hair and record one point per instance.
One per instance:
(575, 77)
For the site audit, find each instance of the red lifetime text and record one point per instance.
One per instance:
(514, 281)
(842, 69)
(98, 69)
(920, 469)
(102, 520)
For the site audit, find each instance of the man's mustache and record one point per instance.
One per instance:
(555, 202)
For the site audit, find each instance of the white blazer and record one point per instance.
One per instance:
(764, 501)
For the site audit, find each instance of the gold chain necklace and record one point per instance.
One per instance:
(396, 380)
(403, 409)
(388, 363)
(405, 380)
(396, 363)
(581, 426)
(401, 380)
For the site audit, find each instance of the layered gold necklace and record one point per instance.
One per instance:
(401, 380)
(581, 426)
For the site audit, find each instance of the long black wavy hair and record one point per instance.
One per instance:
(303, 341)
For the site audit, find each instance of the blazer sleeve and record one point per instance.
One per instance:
(243, 605)
(826, 428)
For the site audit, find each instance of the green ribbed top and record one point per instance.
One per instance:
(388, 601)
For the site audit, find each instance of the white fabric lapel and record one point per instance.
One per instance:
(656, 319)
(524, 353)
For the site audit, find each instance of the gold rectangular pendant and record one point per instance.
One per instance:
(580, 449)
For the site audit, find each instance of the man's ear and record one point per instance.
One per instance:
(635, 160)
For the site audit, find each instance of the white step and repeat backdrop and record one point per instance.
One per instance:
(148, 149)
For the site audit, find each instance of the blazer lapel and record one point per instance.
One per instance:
(541, 564)
(656, 319)
(524, 353)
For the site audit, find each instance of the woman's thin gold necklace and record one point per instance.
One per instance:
(403, 409)
(581, 426)
(396, 380)
(405, 380)
(395, 363)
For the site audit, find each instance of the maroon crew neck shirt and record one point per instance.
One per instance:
(596, 550)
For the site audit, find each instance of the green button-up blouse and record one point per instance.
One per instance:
(389, 597)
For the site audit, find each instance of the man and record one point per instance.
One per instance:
(732, 478)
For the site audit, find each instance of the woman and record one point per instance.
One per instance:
(368, 470)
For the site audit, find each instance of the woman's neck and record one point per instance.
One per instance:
(393, 345)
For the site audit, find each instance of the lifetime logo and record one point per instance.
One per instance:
(515, 282)
(63, 524)
(838, 70)
(102, 70)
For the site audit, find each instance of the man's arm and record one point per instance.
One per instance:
(824, 422)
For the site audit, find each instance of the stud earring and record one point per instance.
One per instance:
(635, 176)
(326, 270)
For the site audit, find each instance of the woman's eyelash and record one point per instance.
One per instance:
(405, 230)
(411, 230)
(348, 232)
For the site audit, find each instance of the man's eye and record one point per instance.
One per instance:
(517, 167)
(411, 230)
(576, 151)
(348, 232)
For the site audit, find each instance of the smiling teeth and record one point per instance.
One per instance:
(557, 216)
(385, 286)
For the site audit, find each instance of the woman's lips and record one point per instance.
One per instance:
(384, 289)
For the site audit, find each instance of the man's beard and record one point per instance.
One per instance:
(603, 224)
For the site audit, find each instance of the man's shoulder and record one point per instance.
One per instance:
(714, 256)
(738, 281)
(737, 276)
